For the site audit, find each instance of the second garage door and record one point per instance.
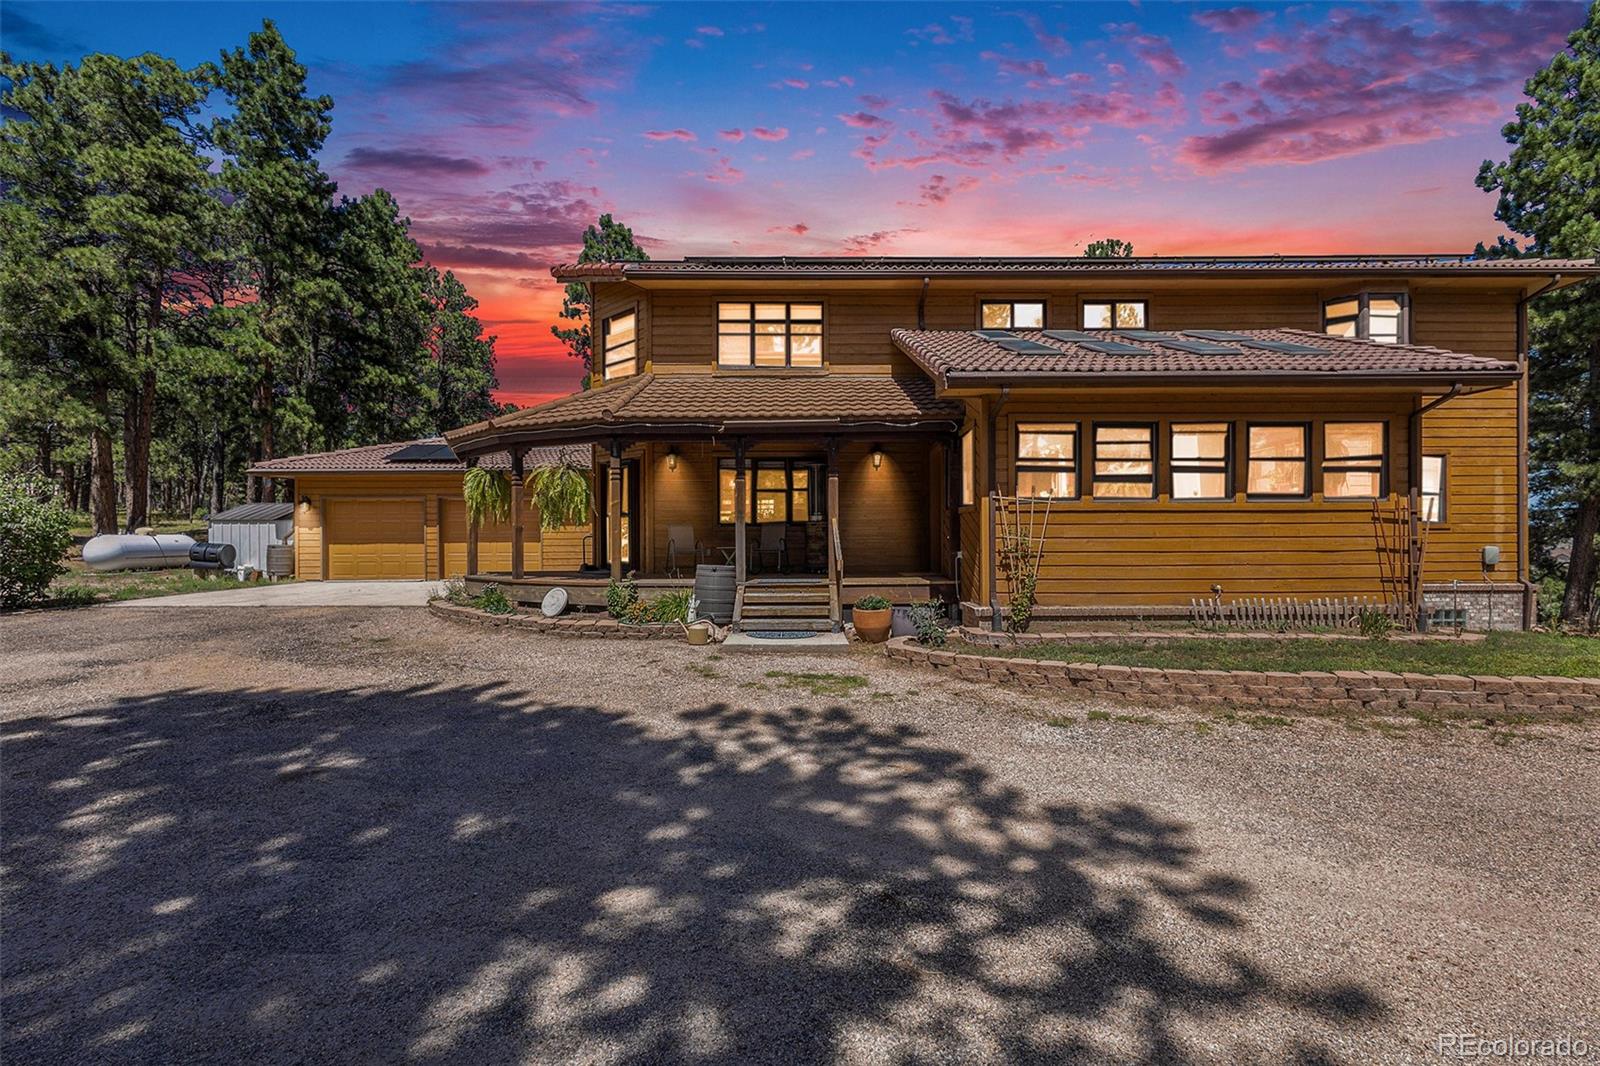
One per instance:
(494, 542)
(370, 539)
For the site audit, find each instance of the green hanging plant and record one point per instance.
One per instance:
(487, 494)
(561, 493)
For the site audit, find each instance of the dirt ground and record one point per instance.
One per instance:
(372, 835)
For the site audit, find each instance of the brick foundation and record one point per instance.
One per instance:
(574, 625)
(1492, 605)
(1368, 691)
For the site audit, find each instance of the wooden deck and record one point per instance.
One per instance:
(588, 588)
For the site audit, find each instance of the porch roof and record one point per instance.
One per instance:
(382, 459)
(717, 404)
(964, 357)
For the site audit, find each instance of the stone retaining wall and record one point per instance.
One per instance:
(574, 625)
(990, 638)
(1369, 691)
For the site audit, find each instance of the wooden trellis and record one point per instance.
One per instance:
(1402, 541)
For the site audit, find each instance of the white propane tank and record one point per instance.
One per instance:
(117, 551)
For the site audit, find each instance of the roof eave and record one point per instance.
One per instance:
(1013, 379)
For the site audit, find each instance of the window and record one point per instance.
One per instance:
(1114, 314)
(1012, 314)
(1352, 460)
(1433, 488)
(969, 467)
(777, 490)
(1125, 462)
(1278, 460)
(1371, 316)
(1201, 453)
(620, 343)
(1047, 459)
(769, 334)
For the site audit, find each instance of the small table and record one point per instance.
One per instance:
(729, 553)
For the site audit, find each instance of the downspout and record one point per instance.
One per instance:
(1414, 469)
(994, 489)
(1529, 607)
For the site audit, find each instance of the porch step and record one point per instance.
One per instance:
(803, 595)
(785, 610)
(779, 604)
(779, 625)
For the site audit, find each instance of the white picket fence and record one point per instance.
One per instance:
(1290, 613)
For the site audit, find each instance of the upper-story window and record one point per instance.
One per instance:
(1012, 314)
(619, 345)
(1115, 314)
(1373, 316)
(769, 334)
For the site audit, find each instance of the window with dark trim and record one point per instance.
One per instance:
(1201, 460)
(1433, 488)
(969, 467)
(1011, 314)
(1124, 461)
(620, 345)
(776, 491)
(1047, 460)
(1115, 314)
(1373, 316)
(1353, 455)
(1278, 460)
(769, 334)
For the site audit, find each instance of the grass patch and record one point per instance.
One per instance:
(819, 684)
(1502, 654)
(1099, 716)
(1061, 721)
(703, 670)
(83, 587)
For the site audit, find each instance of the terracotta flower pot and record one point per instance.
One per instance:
(873, 626)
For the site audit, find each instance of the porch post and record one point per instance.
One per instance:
(951, 524)
(516, 512)
(835, 564)
(614, 510)
(472, 532)
(740, 563)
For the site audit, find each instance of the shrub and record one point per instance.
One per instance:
(872, 603)
(35, 533)
(928, 618)
(493, 601)
(620, 595)
(455, 591)
(671, 606)
(1374, 623)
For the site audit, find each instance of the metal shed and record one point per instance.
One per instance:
(251, 528)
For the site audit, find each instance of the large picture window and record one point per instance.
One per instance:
(1433, 467)
(1047, 460)
(1125, 462)
(1353, 460)
(769, 334)
(1115, 314)
(1373, 316)
(1200, 454)
(1011, 314)
(620, 345)
(1278, 460)
(776, 490)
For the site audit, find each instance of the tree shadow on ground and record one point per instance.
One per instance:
(467, 874)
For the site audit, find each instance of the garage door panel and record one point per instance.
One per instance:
(494, 541)
(375, 539)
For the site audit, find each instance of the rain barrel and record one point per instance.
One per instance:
(714, 587)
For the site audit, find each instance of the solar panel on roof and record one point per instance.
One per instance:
(422, 453)
(1094, 343)
(992, 334)
(1192, 347)
(1284, 347)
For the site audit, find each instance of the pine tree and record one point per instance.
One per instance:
(607, 241)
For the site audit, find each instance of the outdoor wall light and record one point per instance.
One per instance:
(672, 458)
(877, 457)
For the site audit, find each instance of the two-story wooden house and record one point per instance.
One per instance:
(1204, 428)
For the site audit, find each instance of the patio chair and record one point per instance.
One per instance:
(771, 542)
(682, 544)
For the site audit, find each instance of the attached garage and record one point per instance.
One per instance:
(394, 511)
(376, 539)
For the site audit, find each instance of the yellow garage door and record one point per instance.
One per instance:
(370, 539)
(494, 542)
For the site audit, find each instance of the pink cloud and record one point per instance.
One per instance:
(731, 135)
(865, 243)
(1053, 44)
(723, 172)
(792, 83)
(877, 103)
(762, 133)
(679, 134)
(803, 153)
(864, 120)
(938, 189)
(959, 30)
(799, 229)
(1231, 19)
(1155, 51)
(709, 31)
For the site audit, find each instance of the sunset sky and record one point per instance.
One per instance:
(868, 129)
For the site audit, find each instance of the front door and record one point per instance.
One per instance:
(630, 510)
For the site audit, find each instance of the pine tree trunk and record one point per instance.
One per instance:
(137, 457)
(102, 468)
(47, 456)
(219, 474)
(261, 487)
(1581, 569)
(69, 484)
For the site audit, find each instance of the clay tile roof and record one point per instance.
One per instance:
(1068, 266)
(953, 355)
(374, 459)
(719, 403)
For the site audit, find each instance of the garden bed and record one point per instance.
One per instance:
(570, 625)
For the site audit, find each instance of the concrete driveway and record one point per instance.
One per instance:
(303, 594)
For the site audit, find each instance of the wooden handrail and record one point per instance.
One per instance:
(838, 549)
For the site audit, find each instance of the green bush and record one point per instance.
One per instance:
(671, 606)
(455, 591)
(873, 603)
(1373, 623)
(35, 533)
(621, 595)
(928, 618)
(493, 601)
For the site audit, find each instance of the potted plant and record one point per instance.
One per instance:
(873, 617)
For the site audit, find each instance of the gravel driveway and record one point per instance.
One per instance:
(371, 835)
